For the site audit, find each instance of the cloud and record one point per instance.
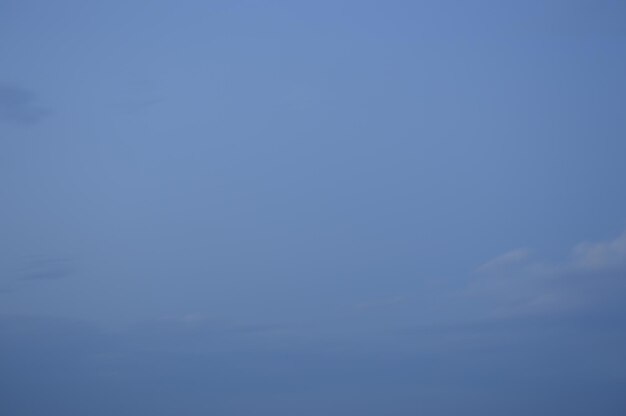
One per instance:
(198, 323)
(47, 268)
(70, 367)
(521, 322)
(600, 255)
(506, 259)
(381, 303)
(591, 280)
(19, 106)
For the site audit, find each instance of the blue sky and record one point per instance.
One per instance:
(342, 208)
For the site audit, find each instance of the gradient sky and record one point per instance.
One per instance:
(312, 207)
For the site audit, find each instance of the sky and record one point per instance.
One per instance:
(339, 207)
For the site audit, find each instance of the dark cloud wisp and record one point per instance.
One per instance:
(19, 106)
(47, 269)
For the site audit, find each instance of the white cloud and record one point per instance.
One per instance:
(507, 259)
(592, 278)
(600, 255)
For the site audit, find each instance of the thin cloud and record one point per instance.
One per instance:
(20, 106)
(591, 279)
(47, 269)
(601, 255)
(506, 259)
(381, 303)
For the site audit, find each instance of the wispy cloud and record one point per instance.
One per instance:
(381, 303)
(20, 106)
(600, 255)
(591, 278)
(47, 268)
(504, 260)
